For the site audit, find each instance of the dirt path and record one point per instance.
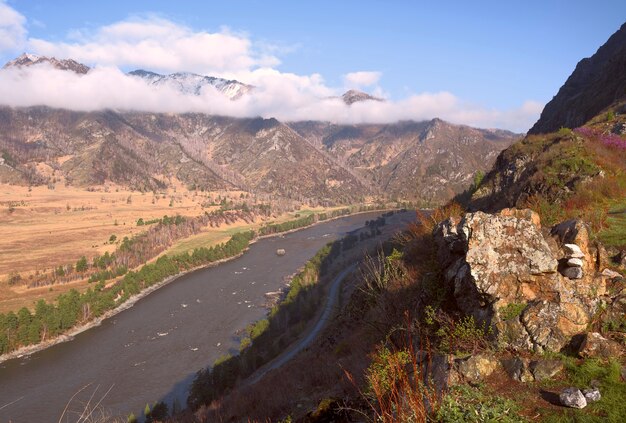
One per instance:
(301, 344)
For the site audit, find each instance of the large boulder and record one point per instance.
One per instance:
(505, 271)
(595, 345)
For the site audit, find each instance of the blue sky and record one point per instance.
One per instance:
(494, 56)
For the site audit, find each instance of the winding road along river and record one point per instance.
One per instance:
(152, 351)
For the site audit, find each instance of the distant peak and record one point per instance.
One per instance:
(355, 96)
(28, 59)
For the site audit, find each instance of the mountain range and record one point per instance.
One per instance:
(427, 162)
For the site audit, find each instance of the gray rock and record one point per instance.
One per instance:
(572, 397)
(517, 369)
(573, 251)
(575, 262)
(545, 369)
(592, 394)
(573, 272)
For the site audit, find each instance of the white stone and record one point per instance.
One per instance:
(592, 394)
(573, 272)
(575, 262)
(573, 251)
(611, 274)
(572, 397)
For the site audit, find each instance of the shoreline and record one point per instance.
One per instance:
(129, 303)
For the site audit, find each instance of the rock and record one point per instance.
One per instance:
(602, 256)
(545, 369)
(611, 274)
(573, 272)
(572, 397)
(592, 394)
(477, 367)
(573, 251)
(595, 345)
(492, 263)
(575, 262)
(517, 369)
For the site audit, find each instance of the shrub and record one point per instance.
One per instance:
(467, 404)
(511, 311)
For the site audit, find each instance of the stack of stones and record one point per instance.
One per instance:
(574, 264)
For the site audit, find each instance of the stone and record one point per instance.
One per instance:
(573, 251)
(572, 397)
(545, 369)
(575, 262)
(602, 256)
(517, 369)
(596, 345)
(573, 272)
(477, 367)
(592, 394)
(611, 274)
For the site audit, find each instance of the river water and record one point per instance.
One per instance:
(151, 351)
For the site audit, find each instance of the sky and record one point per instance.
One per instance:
(481, 63)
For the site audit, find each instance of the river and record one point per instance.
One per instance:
(151, 351)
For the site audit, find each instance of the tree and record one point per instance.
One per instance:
(112, 238)
(159, 412)
(81, 264)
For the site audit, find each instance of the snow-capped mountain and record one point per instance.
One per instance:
(27, 59)
(191, 83)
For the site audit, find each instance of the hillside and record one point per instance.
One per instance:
(427, 162)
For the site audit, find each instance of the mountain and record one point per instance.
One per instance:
(595, 84)
(356, 96)
(148, 151)
(428, 161)
(191, 83)
(553, 166)
(26, 60)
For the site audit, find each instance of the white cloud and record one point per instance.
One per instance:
(12, 30)
(288, 97)
(158, 44)
(361, 78)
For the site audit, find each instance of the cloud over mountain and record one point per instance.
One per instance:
(157, 44)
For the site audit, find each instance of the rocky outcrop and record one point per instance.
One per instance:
(511, 275)
(594, 85)
(596, 345)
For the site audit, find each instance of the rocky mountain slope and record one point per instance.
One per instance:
(147, 151)
(356, 96)
(426, 161)
(191, 83)
(26, 60)
(596, 83)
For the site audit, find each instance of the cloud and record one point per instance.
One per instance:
(361, 79)
(161, 45)
(285, 96)
(12, 29)
(158, 44)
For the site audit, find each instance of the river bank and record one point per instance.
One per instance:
(130, 302)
